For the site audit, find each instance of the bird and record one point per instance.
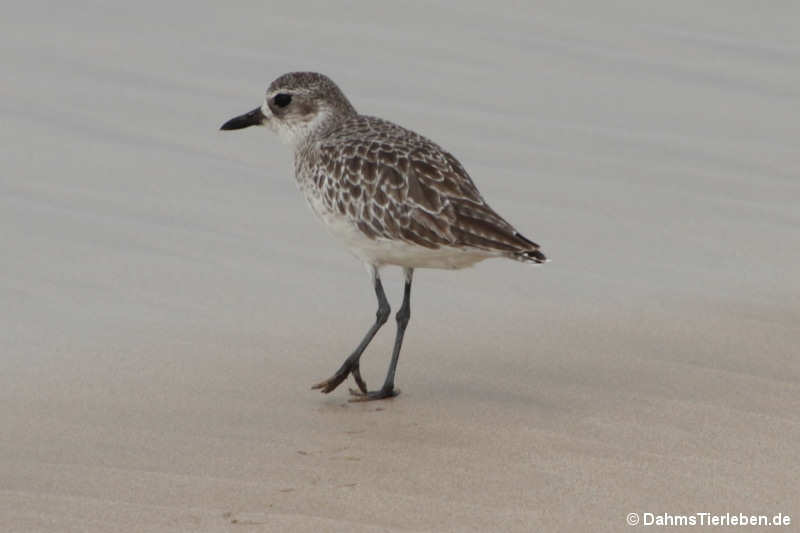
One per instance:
(390, 195)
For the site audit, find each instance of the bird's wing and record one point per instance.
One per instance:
(408, 188)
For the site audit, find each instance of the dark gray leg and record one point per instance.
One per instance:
(403, 316)
(351, 364)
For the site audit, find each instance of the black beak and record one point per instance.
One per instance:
(252, 118)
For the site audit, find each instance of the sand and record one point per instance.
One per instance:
(167, 299)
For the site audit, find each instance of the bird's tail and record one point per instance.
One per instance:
(528, 251)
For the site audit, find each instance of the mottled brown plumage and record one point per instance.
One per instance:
(392, 183)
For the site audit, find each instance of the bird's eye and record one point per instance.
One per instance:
(282, 99)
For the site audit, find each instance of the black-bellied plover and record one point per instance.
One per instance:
(390, 195)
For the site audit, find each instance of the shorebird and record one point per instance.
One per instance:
(390, 195)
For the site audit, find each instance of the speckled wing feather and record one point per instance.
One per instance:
(396, 184)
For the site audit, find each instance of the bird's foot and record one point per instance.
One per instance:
(366, 396)
(347, 368)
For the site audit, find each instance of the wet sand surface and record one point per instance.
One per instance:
(167, 299)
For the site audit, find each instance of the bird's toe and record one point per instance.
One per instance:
(381, 394)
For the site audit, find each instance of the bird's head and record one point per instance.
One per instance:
(295, 105)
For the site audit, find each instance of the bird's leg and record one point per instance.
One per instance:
(351, 364)
(403, 316)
